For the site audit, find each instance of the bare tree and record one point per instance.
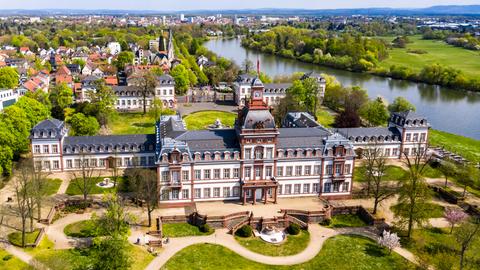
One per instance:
(412, 208)
(39, 184)
(85, 179)
(376, 168)
(146, 83)
(145, 186)
(465, 235)
(23, 189)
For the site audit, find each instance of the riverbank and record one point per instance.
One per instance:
(466, 147)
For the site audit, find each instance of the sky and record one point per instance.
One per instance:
(172, 5)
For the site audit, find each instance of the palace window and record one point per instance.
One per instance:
(387, 152)
(288, 189)
(127, 162)
(258, 172)
(206, 174)
(338, 169)
(216, 192)
(316, 170)
(415, 137)
(236, 173)
(408, 137)
(327, 187)
(268, 171)
(93, 162)
(56, 164)
(298, 170)
(308, 170)
(315, 187)
(259, 153)
(185, 194)
(165, 175)
(394, 152)
(226, 192)
(45, 149)
(102, 162)
(77, 163)
(345, 186)
(216, 173)
(336, 187)
(347, 168)
(269, 153)
(164, 196)
(55, 149)
(289, 171)
(46, 165)
(423, 137)
(175, 194)
(279, 171)
(236, 191)
(226, 173)
(247, 172)
(36, 149)
(280, 189)
(296, 188)
(69, 163)
(176, 177)
(38, 165)
(206, 193)
(329, 169)
(248, 153)
(198, 193)
(306, 188)
(407, 151)
(185, 175)
(198, 174)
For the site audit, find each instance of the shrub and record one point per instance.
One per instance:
(7, 257)
(293, 229)
(245, 231)
(326, 222)
(204, 228)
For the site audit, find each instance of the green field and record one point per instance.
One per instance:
(81, 229)
(132, 123)
(15, 238)
(347, 220)
(339, 252)
(10, 262)
(293, 245)
(392, 173)
(437, 52)
(73, 188)
(466, 147)
(201, 120)
(52, 186)
(325, 118)
(182, 230)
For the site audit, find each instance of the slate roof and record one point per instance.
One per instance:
(369, 132)
(410, 115)
(166, 79)
(269, 86)
(301, 138)
(136, 139)
(48, 124)
(210, 140)
(258, 116)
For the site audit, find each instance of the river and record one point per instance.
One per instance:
(446, 109)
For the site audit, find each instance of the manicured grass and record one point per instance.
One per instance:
(71, 259)
(81, 229)
(132, 123)
(437, 52)
(432, 172)
(347, 220)
(434, 210)
(182, 230)
(52, 186)
(393, 173)
(10, 262)
(325, 118)
(73, 189)
(439, 248)
(339, 252)
(467, 147)
(293, 245)
(201, 120)
(15, 238)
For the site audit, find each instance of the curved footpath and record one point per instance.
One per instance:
(318, 235)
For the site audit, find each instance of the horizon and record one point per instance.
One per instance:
(218, 5)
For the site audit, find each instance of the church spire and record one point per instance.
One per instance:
(171, 49)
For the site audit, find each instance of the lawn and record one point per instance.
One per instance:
(437, 52)
(347, 220)
(70, 259)
(201, 120)
(81, 229)
(339, 252)
(293, 245)
(467, 147)
(392, 173)
(182, 230)
(15, 238)
(325, 118)
(52, 186)
(439, 248)
(73, 189)
(10, 262)
(133, 123)
(434, 210)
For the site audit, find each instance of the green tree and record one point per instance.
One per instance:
(61, 97)
(468, 176)
(375, 112)
(156, 109)
(34, 110)
(110, 253)
(103, 99)
(448, 169)
(146, 189)
(182, 79)
(124, 58)
(83, 125)
(465, 235)
(401, 104)
(115, 221)
(6, 156)
(8, 78)
(146, 83)
(40, 96)
(14, 121)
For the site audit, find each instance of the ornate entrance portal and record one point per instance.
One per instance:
(264, 191)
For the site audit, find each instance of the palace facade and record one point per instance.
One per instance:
(254, 161)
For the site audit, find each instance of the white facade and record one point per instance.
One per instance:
(114, 48)
(7, 97)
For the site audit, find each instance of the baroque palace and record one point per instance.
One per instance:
(254, 161)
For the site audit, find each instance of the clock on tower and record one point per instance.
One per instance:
(257, 94)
